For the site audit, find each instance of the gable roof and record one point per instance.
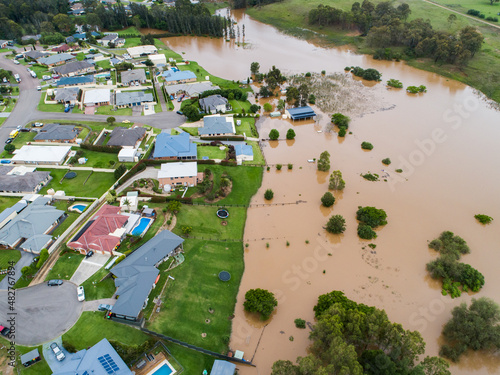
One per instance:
(67, 81)
(301, 112)
(216, 124)
(57, 132)
(167, 145)
(243, 150)
(191, 89)
(18, 207)
(178, 169)
(133, 97)
(54, 59)
(171, 75)
(133, 75)
(110, 37)
(212, 102)
(46, 154)
(97, 96)
(126, 137)
(62, 48)
(26, 182)
(35, 54)
(223, 368)
(73, 67)
(66, 95)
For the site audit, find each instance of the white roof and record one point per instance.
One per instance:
(179, 169)
(139, 50)
(157, 57)
(127, 152)
(47, 154)
(97, 96)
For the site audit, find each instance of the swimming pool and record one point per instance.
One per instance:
(78, 208)
(142, 227)
(163, 370)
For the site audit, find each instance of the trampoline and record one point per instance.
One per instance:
(222, 213)
(70, 175)
(224, 276)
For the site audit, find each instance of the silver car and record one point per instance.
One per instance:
(57, 351)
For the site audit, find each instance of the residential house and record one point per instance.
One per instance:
(103, 233)
(223, 368)
(174, 77)
(114, 61)
(34, 55)
(243, 152)
(4, 43)
(22, 179)
(29, 154)
(158, 59)
(94, 57)
(11, 212)
(127, 154)
(137, 274)
(54, 60)
(80, 36)
(78, 12)
(214, 104)
(67, 95)
(74, 68)
(75, 81)
(31, 37)
(126, 137)
(131, 76)
(112, 38)
(62, 48)
(132, 98)
(30, 229)
(57, 133)
(70, 39)
(140, 51)
(96, 97)
(179, 174)
(172, 147)
(100, 359)
(217, 125)
(191, 90)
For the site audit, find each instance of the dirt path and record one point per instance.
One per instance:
(462, 14)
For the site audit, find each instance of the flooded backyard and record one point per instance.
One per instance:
(445, 141)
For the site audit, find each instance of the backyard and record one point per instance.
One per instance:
(6, 202)
(247, 127)
(96, 185)
(97, 159)
(212, 152)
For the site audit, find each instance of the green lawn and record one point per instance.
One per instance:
(190, 130)
(98, 159)
(2, 120)
(105, 64)
(247, 127)
(109, 111)
(95, 186)
(132, 42)
(484, 6)
(21, 139)
(238, 106)
(97, 289)
(213, 152)
(43, 107)
(6, 256)
(40, 71)
(129, 31)
(257, 154)
(8, 202)
(61, 228)
(39, 368)
(65, 266)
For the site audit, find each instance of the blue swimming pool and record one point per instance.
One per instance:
(163, 370)
(142, 226)
(78, 207)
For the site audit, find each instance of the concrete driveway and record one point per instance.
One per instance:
(51, 359)
(42, 312)
(88, 267)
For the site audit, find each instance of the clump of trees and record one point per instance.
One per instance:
(395, 83)
(260, 301)
(356, 339)
(336, 181)
(370, 176)
(290, 134)
(274, 134)
(370, 218)
(336, 224)
(366, 146)
(416, 89)
(341, 120)
(327, 199)
(120, 171)
(324, 161)
(386, 161)
(483, 219)
(369, 74)
(455, 276)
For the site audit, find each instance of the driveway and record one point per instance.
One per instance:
(51, 359)
(88, 267)
(26, 259)
(42, 312)
(93, 305)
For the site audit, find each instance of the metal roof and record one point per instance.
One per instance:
(25, 358)
(66, 95)
(56, 132)
(179, 146)
(191, 89)
(243, 150)
(210, 103)
(223, 368)
(178, 169)
(54, 59)
(125, 137)
(68, 81)
(180, 75)
(25, 183)
(133, 97)
(301, 112)
(133, 75)
(97, 96)
(217, 124)
(41, 154)
(73, 67)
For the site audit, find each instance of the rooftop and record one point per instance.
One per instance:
(67, 81)
(18, 207)
(210, 103)
(180, 75)
(36, 54)
(56, 132)
(46, 154)
(97, 96)
(217, 124)
(133, 75)
(179, 169)
(133, 97)
(54, 59)
(140, 50)
(73, 67)
(301, 112)
(179, 146)
(25, 182)
(68, 94)
(223, 368)
(126, 137)
(191, 89)
(243, 150)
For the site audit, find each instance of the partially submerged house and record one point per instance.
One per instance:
(217, 125)
(172, 147)
(300, 113)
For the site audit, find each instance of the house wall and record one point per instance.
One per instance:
(184, 181)
(56, 140)
(180, 81)
(126, 159)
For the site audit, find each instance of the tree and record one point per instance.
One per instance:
(434, 366)
(324, 161)
(186, 230)
(260, 301)
(371, 216)
(366, 146)
(336, 181)
(149, 63)
(290, 134)
(476, 328)
(268, 107)
(174, 206)
(254, 67)
(281, 105)
(110, 199)
(63, 22)
(328, 199)
(274, 134)
(452, 18)
(127, 203)
(336, 224)
(120, 171)
(44, 255)
(366, 232)
(111, 120)
(254, 108)
(471, 39)
(269, 194)
(9, 148)
(341, 120)
(191, 112)
(285, 368)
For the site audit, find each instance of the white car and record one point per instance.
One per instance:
(80, 294)
(57, 351)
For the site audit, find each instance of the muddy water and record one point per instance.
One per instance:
(446, 143)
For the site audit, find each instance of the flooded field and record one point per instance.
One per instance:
(445, 141)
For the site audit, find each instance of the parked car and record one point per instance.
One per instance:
(9, 140)
(4, 331)
(56, 76)
(28, 70)
(80, 294)
(46, 78)
(126, 121)
(5, 80)
(146, 106)
(39, 88)
(5, 161)
(24, 130)
(104, 307)
(16, 62)
(67, 109)
(54, 282)
(37, 125)
(57, 351)
(89, 254)
(179, 113)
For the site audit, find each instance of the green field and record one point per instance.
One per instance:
(6, 256)
(484, 6)
(65, 266)
(110, 111)
(95, 186)
(43, 107)
(98, 159)
(247, 127)
(21, 139)
(213, 152)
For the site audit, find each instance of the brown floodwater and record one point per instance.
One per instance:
(446, 142)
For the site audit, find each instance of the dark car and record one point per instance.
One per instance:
(9, 140)
(4, 331)
(104, 307)
(89, 254)
(179, 113)
(54, 282)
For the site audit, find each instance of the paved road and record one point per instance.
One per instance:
(26, 259)
(43, 312)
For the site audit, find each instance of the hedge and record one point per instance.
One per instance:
(224, 138)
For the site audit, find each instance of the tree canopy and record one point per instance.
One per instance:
(260, 301)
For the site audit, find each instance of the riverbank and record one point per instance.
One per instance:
(482, 71)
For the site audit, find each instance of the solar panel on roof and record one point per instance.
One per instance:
(108, 364)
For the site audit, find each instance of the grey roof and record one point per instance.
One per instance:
(191, 89)
(179, 146)
(36, 243)
(57, 132)
(73, 67)
(66, 95)
(136, 274)
(133, 75)
(110, 37)
(67, 81)
(25, 358)
(18, 207)
(28, 37)
(33, 220)
(54, 59)
(215, 125)
(20, 183)
(93, 360)
(35, 55)
(211, 102)
(133, 97)
(125, 137)
(223, 368)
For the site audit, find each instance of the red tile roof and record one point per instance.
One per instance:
(61, 48)
(97, 237)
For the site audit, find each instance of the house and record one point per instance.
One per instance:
(4, 43)
(223, 368)
(94, 57)
(96, 97)
(75, 81)
(132, 98)
(158, 59)
(74, 68)
(217, 125)
(80, 36)
(300, 113)
(61, 48)
(243, 152)
(70, 39)
(131, 76)
(22, 179)
(30, 358)
(102, 233)
(35, 55)
(100, 359)
(127, 154)
(190, 89)
(11, 212)
(214, 104)
(114, 61)
(174, 77)
(54, 60)
(30, 229)
(129, 203)
(29, 154)
(78, 12)
(171, 147)
(179, 173)
(57, 133)
(109, 38)
(31, 37)
(121, 136)
(140, 51)
(67, 95)
(137, 274)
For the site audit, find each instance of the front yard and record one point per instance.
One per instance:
(110, 111)
(65, 266)
(96, 185)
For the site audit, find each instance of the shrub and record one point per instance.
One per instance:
(366, 146)
(324, 161)
(483, 219)
(395, 83)
(274, 134)
(328, 199)
(44, 255)
(260, 301)
(323, 72)
(290, 134)
(371, 216)
(449, 244)
(342, 131)
(120, 171)
(300, 323)
(336, 224)
(279, 166)
(268, 107)
(336, 181)
(386, 161)
(415, 89)
(370, 177)
(290, 166)
(9, 148)
(366, 232)
(119, 259)
(308, 74)
(399, 171)
(269, 194)
(341, 120)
